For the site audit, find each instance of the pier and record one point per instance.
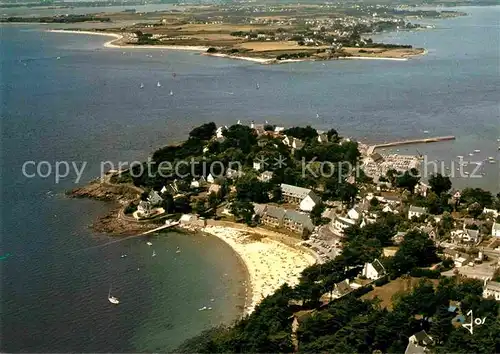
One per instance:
(372, 148)
(166, 226)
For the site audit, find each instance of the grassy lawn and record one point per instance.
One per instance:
(386, 292)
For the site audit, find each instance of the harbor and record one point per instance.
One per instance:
(372, 148)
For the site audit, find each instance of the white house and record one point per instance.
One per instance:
(144, 208)
(232, 173)
(154, 198)
(219, 133)
(195, 183)
(309, 202)
(210, 178)
(417, 343)
(366, 221)
(354, 213)
(373, 270)
(466, 235)
(388, 209)
(258, 165)
(495, 229)
(416, 212)
(491, 211)
(305, 197)
(339, 224)
(322, 138)
(491, 289)
(265, 176)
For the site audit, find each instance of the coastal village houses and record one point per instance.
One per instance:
(305, 197)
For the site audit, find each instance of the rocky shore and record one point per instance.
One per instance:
(114, 222)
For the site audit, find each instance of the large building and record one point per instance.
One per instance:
(289, 219)
(305, 197)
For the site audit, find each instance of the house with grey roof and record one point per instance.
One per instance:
(373, 270)
(491, 290)
(341, 289)
(259, 209)
(305, 197)
(495, 229)
(399, 237)
(419, 343)
(417, 212)
(298, 222)
(273, 216)
(154, 198)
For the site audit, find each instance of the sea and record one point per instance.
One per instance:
(66, 98)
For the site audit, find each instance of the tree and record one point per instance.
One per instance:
(203, 132)
(243, 210)
(440, 184)
(477, 195)
(332, 135)
(408, 180)
(277, 193)
(441, 324)
(416, 250)
(475, 209)
(316, 213)
(347, 193)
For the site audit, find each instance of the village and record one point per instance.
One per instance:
(469, 245)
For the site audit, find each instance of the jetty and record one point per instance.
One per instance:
(166, 226)
(372, 148)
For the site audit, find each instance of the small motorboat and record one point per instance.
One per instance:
(149, 243)
(154, 254)
(477, 150)
(123, 255)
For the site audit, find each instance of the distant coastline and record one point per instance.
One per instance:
(203, 50)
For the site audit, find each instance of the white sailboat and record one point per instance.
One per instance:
(112, 299)
(154, 253)
(171, 93)
(158, 84)
(142, 85)
(258, 86)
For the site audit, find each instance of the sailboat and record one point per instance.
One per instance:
(258, 86)
(171, 93)
(142, 85)
(158, 84)
(154, 253)
(112, 299)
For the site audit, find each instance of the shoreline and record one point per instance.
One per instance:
(203, 50)
(268, 263)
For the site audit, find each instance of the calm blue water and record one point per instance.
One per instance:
(87, 106)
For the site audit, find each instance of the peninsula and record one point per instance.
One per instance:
(264, 33)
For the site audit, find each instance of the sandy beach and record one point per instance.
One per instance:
(270, 263)
(117, 37)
